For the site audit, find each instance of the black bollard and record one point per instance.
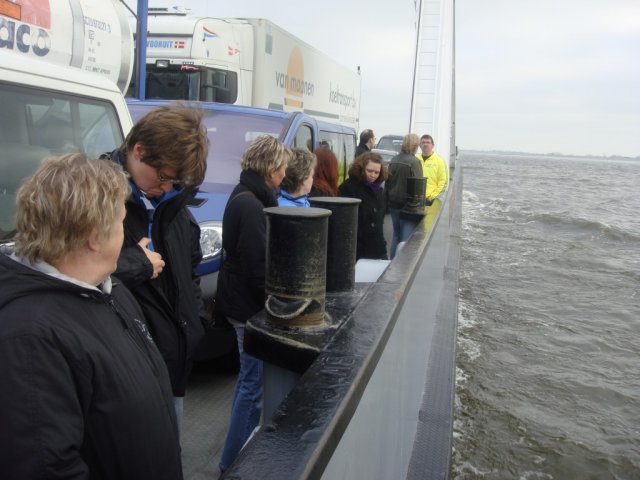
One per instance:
(342, 241)
(416, 188)
(296, 261)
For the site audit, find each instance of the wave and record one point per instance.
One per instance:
(474, 210)
(587, 226)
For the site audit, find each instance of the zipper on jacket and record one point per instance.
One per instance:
(116, 310)
(136, 337)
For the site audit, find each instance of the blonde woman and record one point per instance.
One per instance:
(84, 392)
(241, 279)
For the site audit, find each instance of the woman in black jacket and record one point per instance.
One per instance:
(241, 279)
(366, 175)
(84, 392)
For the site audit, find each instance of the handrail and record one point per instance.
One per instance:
(301, 438)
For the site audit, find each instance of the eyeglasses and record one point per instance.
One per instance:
(174, 181)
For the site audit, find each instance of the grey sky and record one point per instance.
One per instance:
(545, 76)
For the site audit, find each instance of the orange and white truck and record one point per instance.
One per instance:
(245, 61)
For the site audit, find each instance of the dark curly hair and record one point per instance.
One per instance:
(357, 168)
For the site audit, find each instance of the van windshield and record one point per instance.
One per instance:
(187, 82)
(44, 123)
(229, 133)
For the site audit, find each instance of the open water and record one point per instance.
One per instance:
(548, 363)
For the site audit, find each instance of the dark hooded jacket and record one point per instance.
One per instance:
(244, 239)
(401, 167)
(371, 210)
(172, 303)
(84, 393)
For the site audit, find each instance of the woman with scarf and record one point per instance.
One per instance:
(366, 176)
(241, 279)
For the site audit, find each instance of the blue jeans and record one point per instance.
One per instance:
(178, 403)
(403, 227)
(246, 406)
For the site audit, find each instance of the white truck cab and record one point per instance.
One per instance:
(51, 111)
(63, 67)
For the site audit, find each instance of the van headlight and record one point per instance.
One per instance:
(210, 239)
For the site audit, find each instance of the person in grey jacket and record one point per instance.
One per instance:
(84, 392)
(401, 167)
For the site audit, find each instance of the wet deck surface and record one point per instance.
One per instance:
(206, 419)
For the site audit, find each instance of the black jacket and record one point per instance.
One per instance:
(240, 292)
(361, 148)
(172, 303)
(84, 393)
(401, 167)
(371, 242)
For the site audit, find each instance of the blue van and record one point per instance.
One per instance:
(231, 128)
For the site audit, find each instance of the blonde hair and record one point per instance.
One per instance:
(410, 143)
(63, 202)
(299, 169)
(173, 136)
(265, 155)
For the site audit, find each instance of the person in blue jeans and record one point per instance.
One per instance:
(401, 167)
(241, 279)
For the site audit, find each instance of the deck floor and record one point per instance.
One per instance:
(206, 419)
(207, 406)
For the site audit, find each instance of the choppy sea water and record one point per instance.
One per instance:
(548, 363)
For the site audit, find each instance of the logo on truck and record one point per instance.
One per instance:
(293, 81)
(166, 44)
(206, 33)
(22, 32)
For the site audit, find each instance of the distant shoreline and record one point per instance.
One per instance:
(550, 154)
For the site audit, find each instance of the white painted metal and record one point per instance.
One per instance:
(433, 100)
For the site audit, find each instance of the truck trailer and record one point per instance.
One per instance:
(245, 61)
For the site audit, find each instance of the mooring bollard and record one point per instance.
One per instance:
(296, 262)
(341, 242)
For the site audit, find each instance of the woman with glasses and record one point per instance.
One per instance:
(165, 155)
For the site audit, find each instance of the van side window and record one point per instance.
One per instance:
(303, 138)
(342, 144)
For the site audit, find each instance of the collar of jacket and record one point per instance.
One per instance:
(255, 182)
(117, 156)
(300, 201)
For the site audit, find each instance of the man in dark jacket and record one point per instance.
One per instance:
(84, 392)
(165, 154)
(367, 142)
